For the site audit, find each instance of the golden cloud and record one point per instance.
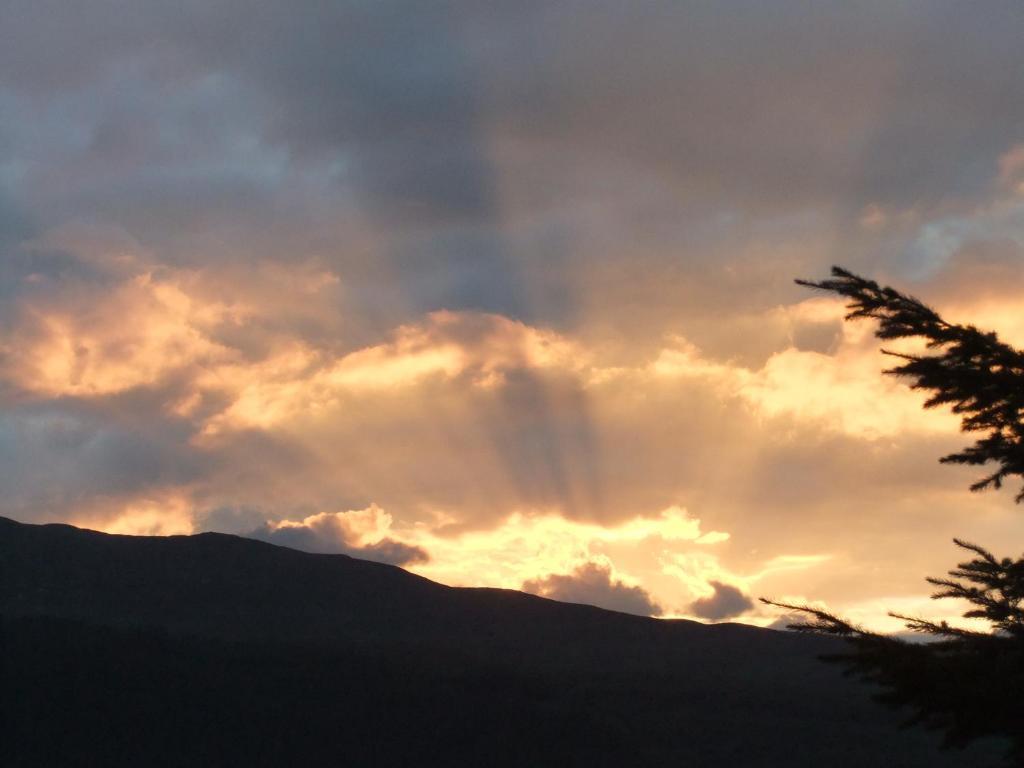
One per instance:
(145, 328)
(164, 514)
(510, 453)
(841, 391)
(358, 527)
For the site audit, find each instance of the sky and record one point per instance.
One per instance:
(503, 292)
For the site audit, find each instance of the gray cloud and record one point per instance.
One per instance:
(435, 121)
(727, 602)
(592, 583)
(889, 82)
(321, 537)
(56, 457)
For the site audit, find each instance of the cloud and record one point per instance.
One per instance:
(466, 68)
(166, 514)
(522, 546)
(784, 622)
(506, 451)
(482, 349)
(839, 387)
(725, 603)
(521, 275)
(593, 584)
(359, 533)
(457, 158)
(68, 459)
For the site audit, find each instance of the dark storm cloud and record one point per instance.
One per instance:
(592, 583)
(727, 602)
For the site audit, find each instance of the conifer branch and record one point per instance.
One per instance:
(965, 683)
(977, 375)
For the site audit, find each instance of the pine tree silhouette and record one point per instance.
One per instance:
(979, 376)
(967, 684)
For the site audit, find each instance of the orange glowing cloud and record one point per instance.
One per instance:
(842, 390)
(145, 328)
(551, 554)
(358, 527)
(504, 453)
(300, 380)
(164, 514)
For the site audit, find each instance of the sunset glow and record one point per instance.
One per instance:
(478, 296)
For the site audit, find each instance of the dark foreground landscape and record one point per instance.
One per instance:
(218, 650)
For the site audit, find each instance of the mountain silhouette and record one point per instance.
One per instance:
(219, 650)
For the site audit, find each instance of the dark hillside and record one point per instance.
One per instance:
(217, 650)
